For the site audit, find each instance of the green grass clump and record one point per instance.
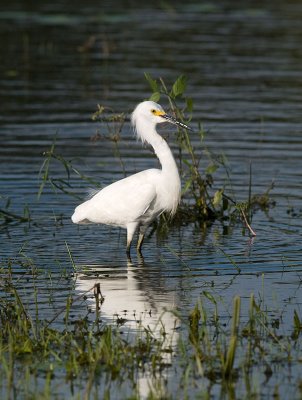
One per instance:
(80, 357)
(78, 351)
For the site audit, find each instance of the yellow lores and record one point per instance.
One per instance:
(158, 113)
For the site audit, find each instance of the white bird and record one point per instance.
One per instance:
(134, 202)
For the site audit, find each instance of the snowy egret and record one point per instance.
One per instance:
(134, 202)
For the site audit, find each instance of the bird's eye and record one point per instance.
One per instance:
(153, 111)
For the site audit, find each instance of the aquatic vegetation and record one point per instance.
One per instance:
(250, 89)
(8, 216)
(76, 355)
(59, 184)
(200, 203)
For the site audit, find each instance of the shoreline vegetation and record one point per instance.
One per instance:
(81, 357)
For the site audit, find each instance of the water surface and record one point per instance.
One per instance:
(244, 68)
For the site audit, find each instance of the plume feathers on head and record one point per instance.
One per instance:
(143, 122)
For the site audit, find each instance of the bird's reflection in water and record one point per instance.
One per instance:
(134, 297)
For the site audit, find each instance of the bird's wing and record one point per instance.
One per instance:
(122, 202)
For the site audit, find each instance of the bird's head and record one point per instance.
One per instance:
(148, 113)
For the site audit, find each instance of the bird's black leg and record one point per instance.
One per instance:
(141, 236)
(140, 242)
(128, 248)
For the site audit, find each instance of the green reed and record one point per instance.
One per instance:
(85, 355)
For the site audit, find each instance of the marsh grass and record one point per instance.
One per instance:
(76, 352)
(59, 184)
(7, 216)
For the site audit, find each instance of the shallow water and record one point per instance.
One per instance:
(244, 68)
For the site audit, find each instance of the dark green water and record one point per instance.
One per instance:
(243, 62)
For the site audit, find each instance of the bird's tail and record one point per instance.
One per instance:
(80, 215)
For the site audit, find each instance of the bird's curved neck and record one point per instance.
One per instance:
(165, 156)
(161, 149)
(170, 175)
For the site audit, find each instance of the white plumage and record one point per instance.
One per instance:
(134, 202)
